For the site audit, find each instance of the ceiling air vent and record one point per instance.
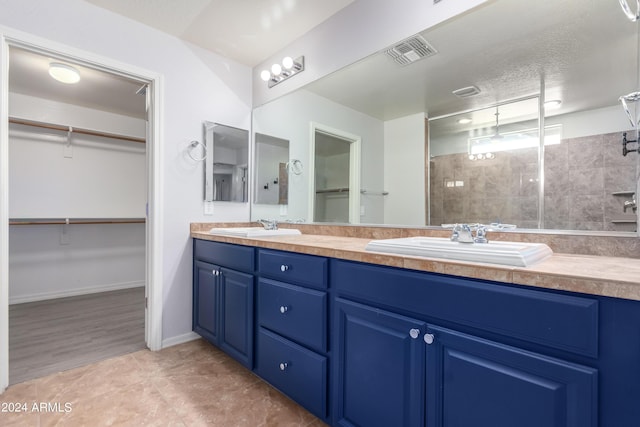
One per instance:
(410, 50)
(466, 92)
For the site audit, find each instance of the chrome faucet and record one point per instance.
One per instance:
(630, 204)
(462, 233)
(269, 224)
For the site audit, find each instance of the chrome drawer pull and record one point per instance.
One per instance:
(283, 366)
(284, 268)
(284, 309)
(414, 333)
(428, 338)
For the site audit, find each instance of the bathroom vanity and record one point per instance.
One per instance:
(360, 343)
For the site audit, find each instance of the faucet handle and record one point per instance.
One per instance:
(269, 224)
(481, 234)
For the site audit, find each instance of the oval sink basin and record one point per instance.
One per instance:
(495, 252)
(253, 232)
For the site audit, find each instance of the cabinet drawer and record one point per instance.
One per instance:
(296, 371)
(225, 254)
(300, 269)
(295, 312)
(565, 322)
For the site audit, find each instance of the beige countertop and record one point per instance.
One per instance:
(596, 275)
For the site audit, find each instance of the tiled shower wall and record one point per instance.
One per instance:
(581, 177)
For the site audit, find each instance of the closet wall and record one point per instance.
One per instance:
(54, 175)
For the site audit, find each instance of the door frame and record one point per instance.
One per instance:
(154, 150)
(355, 143)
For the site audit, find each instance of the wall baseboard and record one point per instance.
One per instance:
(74, 292)
(180, 339)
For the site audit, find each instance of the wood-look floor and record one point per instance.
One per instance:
(50, 336)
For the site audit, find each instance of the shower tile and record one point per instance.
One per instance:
(556, 157)
(556, 210)
(619, 178)
(584, 209)
(587, 181)
(586, 152)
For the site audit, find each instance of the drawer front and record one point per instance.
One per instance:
(300, 269)
(296, 371)
(225, 254)
(295, 312)
(566, 322)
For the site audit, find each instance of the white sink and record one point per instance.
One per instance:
(253, 232)
(494, 252)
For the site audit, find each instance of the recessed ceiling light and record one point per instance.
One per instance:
(554, 103)
(64, 73)
(464, 121)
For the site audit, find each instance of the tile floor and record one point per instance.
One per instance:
(192, 384)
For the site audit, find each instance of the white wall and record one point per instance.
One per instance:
(104, 178)
(198, 86)
(95, 258)
(268, 159)
(361, 29)
(404, 169)
(300, 109)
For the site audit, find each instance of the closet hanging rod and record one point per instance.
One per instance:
(63, 221)
(74, 129)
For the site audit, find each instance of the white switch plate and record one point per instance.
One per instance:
(283, 210)
(208, 208)
(361, 210)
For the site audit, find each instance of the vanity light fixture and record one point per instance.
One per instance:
(281, 72)
(64, 73)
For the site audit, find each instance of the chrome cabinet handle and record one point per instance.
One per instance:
(215, 272)
(283, 366)
(428, 338)
(414, 333)
(284, 268)
(284, 309)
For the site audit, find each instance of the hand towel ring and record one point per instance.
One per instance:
(192, 146)
(628, 12)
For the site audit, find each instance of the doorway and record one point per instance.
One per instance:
(334, 190)
(148, 83)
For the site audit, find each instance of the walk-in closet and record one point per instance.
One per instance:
(77, 207)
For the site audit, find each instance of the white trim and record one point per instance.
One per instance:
(155, 144)
(4, 214)
(42, 296)
(355, 144)
(180, 339)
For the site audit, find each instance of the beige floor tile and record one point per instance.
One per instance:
(192, 384)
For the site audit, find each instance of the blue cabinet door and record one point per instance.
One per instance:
(475, 382)
(236, 306)
(380, 364)
(205, 300)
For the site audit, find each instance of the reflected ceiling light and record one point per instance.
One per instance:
(464, 121)
(280, 73)
(554, 103)
(64, 73)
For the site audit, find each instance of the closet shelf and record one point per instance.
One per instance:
(624, 193)
(63, 221)
(75, 130)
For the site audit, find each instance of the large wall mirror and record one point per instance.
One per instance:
(488, 119)
(226, 163)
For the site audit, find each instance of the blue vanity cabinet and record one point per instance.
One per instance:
(395, 364)
(380, 364)
(223, 297)
(292, 303)
(476, 382)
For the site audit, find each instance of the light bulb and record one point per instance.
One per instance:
(64, 73)
(480, 156)
(489, 155)
(287, 63)
(265, 75)
(276, 69)
(472, 157)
